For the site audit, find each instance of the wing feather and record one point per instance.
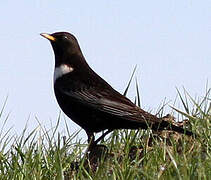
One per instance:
(111, 103)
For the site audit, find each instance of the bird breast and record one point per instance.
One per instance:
(61, 71)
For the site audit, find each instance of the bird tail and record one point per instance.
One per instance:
(181, 130)
(164, 125)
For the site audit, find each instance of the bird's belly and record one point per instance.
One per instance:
(81, 114)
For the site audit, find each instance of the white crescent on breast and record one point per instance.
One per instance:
(62, 70)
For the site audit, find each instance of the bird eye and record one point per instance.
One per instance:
(65, 37)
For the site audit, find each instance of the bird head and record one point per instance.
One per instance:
(64, 45)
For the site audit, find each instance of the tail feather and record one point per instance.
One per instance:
(168, 126)
(181, 130)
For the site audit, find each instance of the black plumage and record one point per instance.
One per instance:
(89, 100)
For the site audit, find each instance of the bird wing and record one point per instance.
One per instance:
(109, 101)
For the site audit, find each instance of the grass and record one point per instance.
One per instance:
(124, 155)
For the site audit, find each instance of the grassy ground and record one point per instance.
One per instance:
(123, 155)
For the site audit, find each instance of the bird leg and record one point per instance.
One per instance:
(91, 140)
(102, 136)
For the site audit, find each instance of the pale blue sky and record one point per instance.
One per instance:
(170, 42)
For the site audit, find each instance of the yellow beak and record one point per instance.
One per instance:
(48, 36)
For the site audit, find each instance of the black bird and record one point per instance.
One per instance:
(89, 100)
